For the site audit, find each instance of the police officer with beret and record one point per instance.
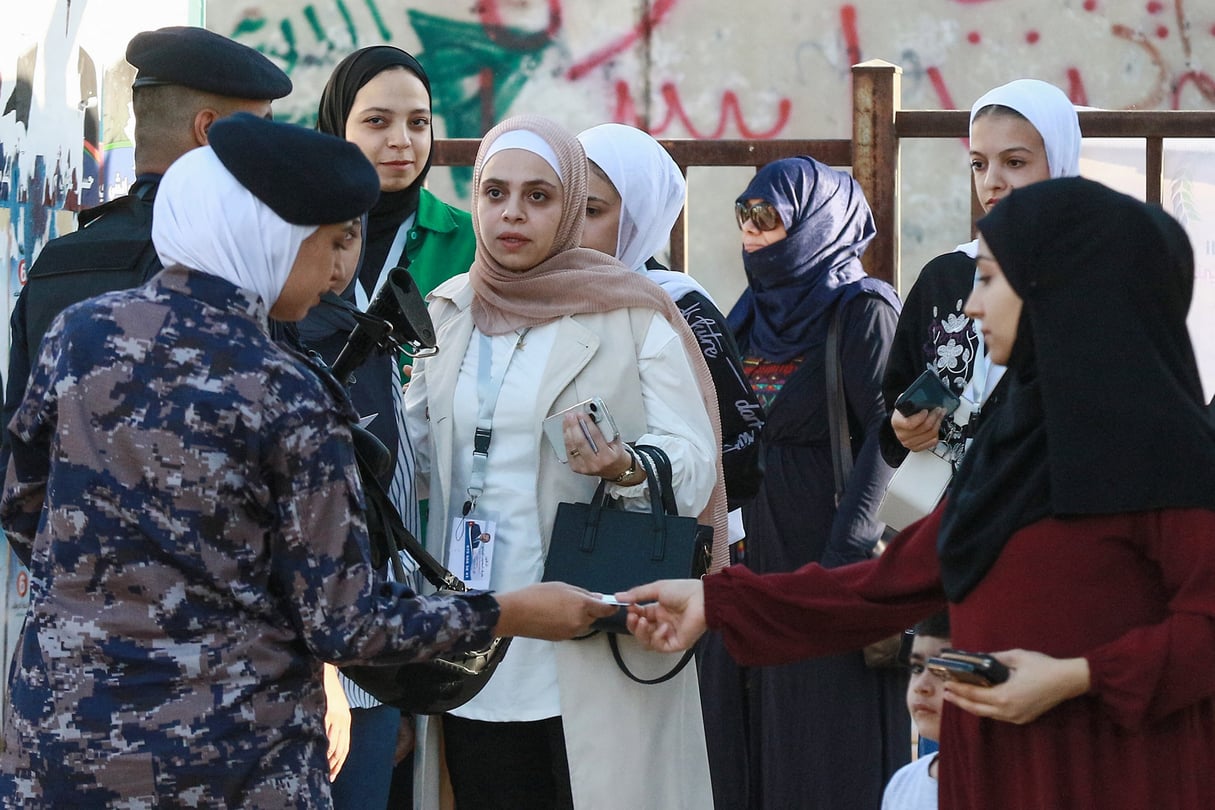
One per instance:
(187, 79)
(184, 491)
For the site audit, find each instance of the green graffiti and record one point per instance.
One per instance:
(457, 55)
(476, 72)
(289, 56)
(378, 19)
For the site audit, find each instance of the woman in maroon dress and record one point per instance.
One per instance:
(1078, 544)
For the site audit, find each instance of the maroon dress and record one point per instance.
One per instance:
(1134, 594)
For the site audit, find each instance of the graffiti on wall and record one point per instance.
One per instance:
(61, 149)
(1162, 35)
(478, 66)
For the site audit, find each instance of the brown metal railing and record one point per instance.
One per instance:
(879, 125)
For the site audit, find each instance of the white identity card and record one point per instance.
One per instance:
(470, 553)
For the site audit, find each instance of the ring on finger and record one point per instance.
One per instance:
(575, 452)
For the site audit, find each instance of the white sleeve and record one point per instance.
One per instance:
(418, 425)
(676, 421)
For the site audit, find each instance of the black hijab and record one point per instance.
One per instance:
(337, 99)
(1105, 410)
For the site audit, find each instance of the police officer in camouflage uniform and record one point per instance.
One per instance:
(188, 78)
(183, 490)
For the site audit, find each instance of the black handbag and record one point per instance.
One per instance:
(603, 548)
(427, 687)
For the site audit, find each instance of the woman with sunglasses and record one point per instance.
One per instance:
(826, 733)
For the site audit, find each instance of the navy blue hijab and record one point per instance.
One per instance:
(793, 284)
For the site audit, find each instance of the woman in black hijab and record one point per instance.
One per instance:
(379, 99)
(1078, 544)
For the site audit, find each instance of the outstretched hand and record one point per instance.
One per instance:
(552, 611)
(1036, 684)
(667, 616)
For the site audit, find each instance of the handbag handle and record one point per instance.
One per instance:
(662, 466)
(657, 509)
(623, 667)
(657, 466)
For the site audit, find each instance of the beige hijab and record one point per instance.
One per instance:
(574, 280)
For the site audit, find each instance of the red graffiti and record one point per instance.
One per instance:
(500, 34)
(1202, 81)
(938, 84)
(1168, 86)
(626, 113)
(643, 29)
(1075, 87)
(851, 38)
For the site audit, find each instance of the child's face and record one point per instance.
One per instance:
(924, 694)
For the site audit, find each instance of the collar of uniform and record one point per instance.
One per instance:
(214, 291)
(434, 214)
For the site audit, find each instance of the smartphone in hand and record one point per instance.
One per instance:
(980, 669)
(595, 409)
(925, 394)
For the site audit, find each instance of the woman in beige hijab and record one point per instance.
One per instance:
(537, 325)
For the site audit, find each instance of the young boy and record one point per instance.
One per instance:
(914, 786)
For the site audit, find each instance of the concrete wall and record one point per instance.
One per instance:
(761, 69)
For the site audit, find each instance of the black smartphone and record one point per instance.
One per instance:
(980, 669)
(925, 394)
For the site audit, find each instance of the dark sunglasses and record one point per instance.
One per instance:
(763, 214)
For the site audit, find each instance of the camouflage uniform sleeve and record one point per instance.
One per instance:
(321, 563)
(30, 433)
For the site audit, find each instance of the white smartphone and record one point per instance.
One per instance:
(593, 408)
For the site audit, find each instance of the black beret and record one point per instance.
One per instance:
(304, 176)
(203, 60)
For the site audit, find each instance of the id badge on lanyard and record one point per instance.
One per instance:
(470, 547)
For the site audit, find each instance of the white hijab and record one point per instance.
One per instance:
(1054, 116)
(652, 193)
(204, 219)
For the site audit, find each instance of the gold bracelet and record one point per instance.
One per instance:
(620, 479)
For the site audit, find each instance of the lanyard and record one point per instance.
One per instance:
(391, 260)
(488, 389)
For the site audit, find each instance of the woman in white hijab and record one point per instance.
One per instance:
(1021, 133)
(635, 194)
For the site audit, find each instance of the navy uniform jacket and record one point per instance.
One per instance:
(112, 250)
(185, 494)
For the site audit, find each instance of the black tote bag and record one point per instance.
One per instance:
(603, 548)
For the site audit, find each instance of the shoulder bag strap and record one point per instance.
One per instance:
(837, 409)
